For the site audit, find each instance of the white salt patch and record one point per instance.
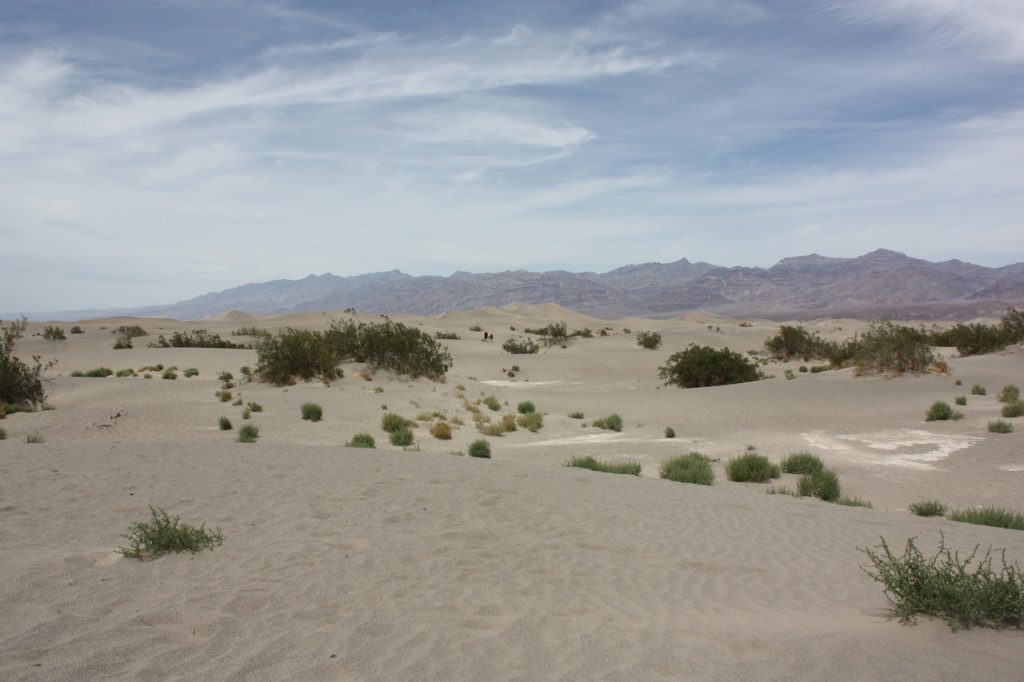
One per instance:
(517, 384)
(1012, 467)
(595, 438)
(912, 448)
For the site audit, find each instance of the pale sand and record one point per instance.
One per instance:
(381, 564)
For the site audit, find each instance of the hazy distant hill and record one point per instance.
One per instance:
(877, 284)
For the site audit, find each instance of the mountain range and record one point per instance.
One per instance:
(878, 284)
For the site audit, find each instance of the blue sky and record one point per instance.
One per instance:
(153, 151)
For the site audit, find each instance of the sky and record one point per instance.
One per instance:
(154, 151)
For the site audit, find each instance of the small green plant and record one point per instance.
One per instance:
(447, 336)
(1014, 409)
(945, 586)
(789, 375)
(928, 508)
(225, 424)
(531, 421)
(978, 389)
(648, 340)
(689, 468)
(311, 412)
(801, 463)
(169, 374)
(441, 431)
(854, 501)
(520, 346)
(670, 432)
(802, 369)
(990, 516)
(751, 467)
(941, 411)
(248, 433)
(492, 402)
(401, 437)
(526, 407)
(612, 422)
(823, 484)
(224, 395)
(960, 400)
(191, 372)
(1000, 426)
(76, 329)
(1009, 394)
(98, 373)
(361, 440)
(51, 333)
(246, 413)
(164, 534)
(575, 415)
(392, 422)
(781, 490)
(480, 448)
(35, 437)
(630, 468)
(255, 407)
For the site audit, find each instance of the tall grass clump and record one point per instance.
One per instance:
(163, 534)
(823, 484)
(1000, 426)
(648, 340)
(492, 402)
(928, 508)
(948, 587)
(751, 467)
(526, 407)
(612, 422)
(630, 468)
(1009, 394)
(854, 501)
(224, 423)
(35, 437)
(978, 389)
(576, 415)
(941, 411)
(699, 366)
(801, 463)
(1014, 409)
(248, 433)
(689, 468)
(401, 437)
(311, 412)
(531, 421)
(990, 516)
(392, 422)
(479, 448)
(361, 440)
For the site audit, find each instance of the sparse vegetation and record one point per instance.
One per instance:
(801, 463)
(392, 422)
(612, 422)
(402, 437)
(990, 516)
(191, 372)
(796, 342)
(225, 424)
(700, 366)
(941, 411)
(928, 508)
(976, 339)
(248, 433)
(250, 331)
(1009, 394)
(823, 484)
(441, 431)
(310, 411)
(575, 415)
(751, 467)
(629, 468)
(479, 448)
(20, 383)
(526, 407)
(51, 333)
(3, 434)
(888, 347)
(98, 373)
(945, 586)
(854, 501)
(491, 402)
(169, 374)
(35, 437)
(447, 336)
(361, 440)
(164, 534)
(76, 329)
(520, 346)
(689, 468)
(224, 395)
(960, 399)
(531, 421)
(978, 389)
(670, 432)
(197, 338)
(648, 340)
(1014, 409)
(1000, 426)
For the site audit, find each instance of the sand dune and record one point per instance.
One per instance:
(352, 564)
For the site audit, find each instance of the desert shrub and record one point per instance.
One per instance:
(169, 374)
(780, 490)
(51, 333)
(801, 463)
(990, 516)
(246, 413)
(361, 440)
(447, 336)
(20, 383)
(531, 421)
(3, 434)
(751, 467)
(945, 586)
(479, 448)
(689, 468)
(76, 329)
(520, 346)
(699, 366)
(612, 422)
(978, 389)
(224, 395)
(246, 373)
(1000, 426)
(250, 331)
(941, 411)
(98, 373)
(492, 402)
(526, 407)
(670, 432)
(928, 508)
(802, 369)
(1014, 409)
(816, 369)
(11, 408)
(441, 431)
(476, 328)
(311, 412)
(296, 353)
(197, 338)
(392, 422)
(401, 437)
(888, 347)
(575, 415)
(960, 399)
(127, 372)
(248, 433)
(796, 341)
(789, 375)
(854, 501)
(629, 468)
(35, 437)
(224, 423)
(975, 339)
(164, 534)
(823, 484)
(131, 331)
(1009, 394)
(556, 332)
(648, 340)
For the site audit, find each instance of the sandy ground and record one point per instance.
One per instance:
(342, 563)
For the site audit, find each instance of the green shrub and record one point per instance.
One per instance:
(225, 424)
(392, 422)
(361, 440)
(20, 384)
(441, 431)
(976, 338)
(128, 372)
(492, 402)
(520, 346)
(246, 413)
(526, 407)
(751, 467)
(941, 411)
(999, 426)
(531, 421)
(1009, 394)
(960, 399)
(945, 586)
(817, 369)
(3, 434)
(191, 372)
(35, 437)
(690, 468)
(250, 331)
(476, 328)
(165, 534)
(802, 463)
(98, 373)
(1014, 409)
(886, 347)
(699, 366)
(447, 336)
(479, 448)
(823, 484)
(386, 345)
(311, 412)
(630, 468)
(670, 432)
(76, 329)
(648, 340)
(612, 422)
(575, 415)
(978, 389)
(224, 395)
(796, 341)
(802, 369)
(130, 331)
(197, 338)
(854, 501)
(402, 437)
(928, 508)
(169, 374)
(255, 407)
(248, 433)
(990, 516)
(51, 333)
